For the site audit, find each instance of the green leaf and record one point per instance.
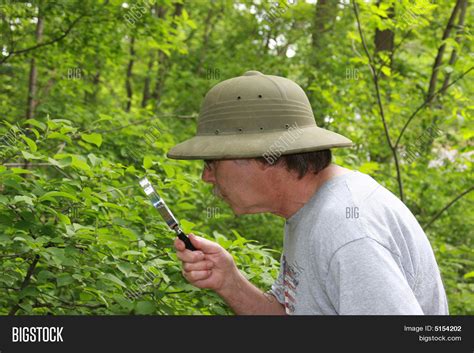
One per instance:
(63, 218)
(21, 171)
(28, 155)
(61, 163)
(28, 200)
(132, 252)
(144, 307)
(64, 279)
(23, 240)
(31, 143)
(169, 170)
(147, 162)
(36, 123)
(114, 279)
(59, 136)
(80, 163)
(52, 195)
(369, 167)
(386, 70)
(25, 306)
(103, 117)
(378, 11)
(44, 275)
(94, 160)
(469, 275)
(125, 268)
(187, 226)
(94, 138)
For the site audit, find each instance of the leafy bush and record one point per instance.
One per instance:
(78, 236)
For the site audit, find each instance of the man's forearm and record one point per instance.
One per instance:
(246, 299)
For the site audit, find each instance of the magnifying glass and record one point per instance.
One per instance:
(165, 212)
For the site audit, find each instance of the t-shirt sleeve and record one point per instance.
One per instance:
(364, 279)
(277, 289)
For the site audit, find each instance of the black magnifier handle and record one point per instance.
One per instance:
(160, 205)
(185, 240)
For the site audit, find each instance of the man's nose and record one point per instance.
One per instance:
(207, 175)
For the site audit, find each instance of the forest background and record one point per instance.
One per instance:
(94, 93)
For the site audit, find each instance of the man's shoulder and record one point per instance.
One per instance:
(354, 204)
(347, 210)
(341, 203)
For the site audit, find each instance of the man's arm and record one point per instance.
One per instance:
(246, 299)
(212, 267)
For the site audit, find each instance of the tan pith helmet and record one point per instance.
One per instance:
(256, 115)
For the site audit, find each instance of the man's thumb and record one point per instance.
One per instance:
(203, 244)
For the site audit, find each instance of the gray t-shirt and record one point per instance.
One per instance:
(355, 249)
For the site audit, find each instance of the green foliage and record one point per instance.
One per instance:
(96, 235)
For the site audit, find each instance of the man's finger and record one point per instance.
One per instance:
(207, 246)
(198, 266)
(178, 244)
(190, 256)
(197, 275)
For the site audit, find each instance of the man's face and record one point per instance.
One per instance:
(240, 183)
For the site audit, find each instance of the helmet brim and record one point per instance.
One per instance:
(253, 145)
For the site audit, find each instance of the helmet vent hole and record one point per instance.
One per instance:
(238, 97)
(261, 128)
(259, 96)
(287, 126)
(240, 129)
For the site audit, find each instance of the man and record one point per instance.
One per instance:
(350, 246)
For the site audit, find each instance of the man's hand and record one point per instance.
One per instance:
(210, 266)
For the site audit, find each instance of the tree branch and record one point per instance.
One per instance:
(52, 41)
(427, 100)
(13, 255)
(128, 79)
(25, 283)
(68, 305)
(178, 292)
(459, 34)
(379, 101)
(437, 215)
(72, 305)
(22, 164)
(439, 57)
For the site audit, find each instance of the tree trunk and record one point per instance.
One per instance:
(205, 40)
(158, 11)
(33, 79)
(324, 19)
(459, 34)
(163, 64)
(384, 41)
(146, 85)
(439, 57)
(128, 82)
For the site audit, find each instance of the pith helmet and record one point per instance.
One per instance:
(256, 115)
